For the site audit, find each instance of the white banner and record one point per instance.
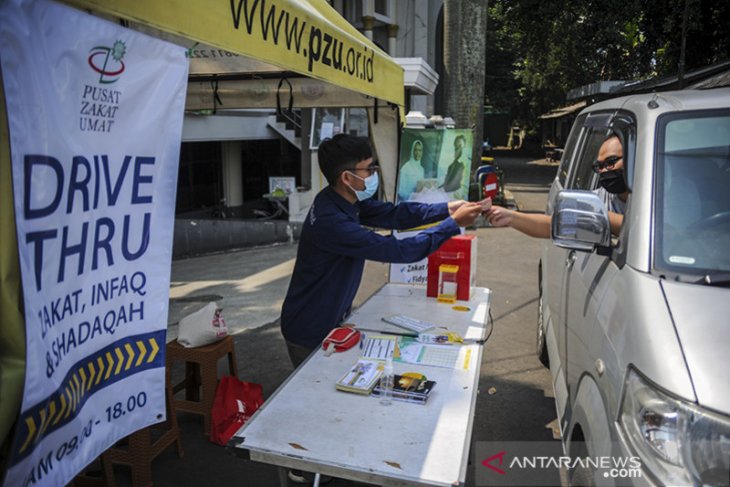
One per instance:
(95, 115)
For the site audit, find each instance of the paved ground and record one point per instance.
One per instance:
(515, 401)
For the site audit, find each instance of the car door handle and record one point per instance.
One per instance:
(570, 260)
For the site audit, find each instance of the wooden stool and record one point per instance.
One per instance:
(201, 375)
(141, 448)
(92, 475)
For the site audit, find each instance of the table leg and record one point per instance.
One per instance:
(316, 480)
(283, 478)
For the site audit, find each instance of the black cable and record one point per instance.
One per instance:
(491, 327)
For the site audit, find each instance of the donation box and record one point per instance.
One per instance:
(459, 251)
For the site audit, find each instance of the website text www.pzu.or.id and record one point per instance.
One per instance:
(323, 50)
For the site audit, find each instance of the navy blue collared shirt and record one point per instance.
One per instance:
(332, 251)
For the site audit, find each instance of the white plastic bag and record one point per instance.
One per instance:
(203, 327)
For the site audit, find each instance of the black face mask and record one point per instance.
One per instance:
(612, 181)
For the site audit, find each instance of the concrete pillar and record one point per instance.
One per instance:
(232, 172)
(368, 23)
(392, 35)
(392, 27)
(421, 31)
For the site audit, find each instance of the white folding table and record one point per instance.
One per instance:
(308, 425)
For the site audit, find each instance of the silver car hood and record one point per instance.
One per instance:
(702, 320)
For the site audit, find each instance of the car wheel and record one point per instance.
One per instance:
(541, 347)
(582, 474)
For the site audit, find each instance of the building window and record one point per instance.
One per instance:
(199, 176)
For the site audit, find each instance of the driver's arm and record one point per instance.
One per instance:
(532, 224)
(615, 220)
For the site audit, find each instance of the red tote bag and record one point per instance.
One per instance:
(235, 401)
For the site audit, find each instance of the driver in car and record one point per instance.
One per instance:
(612, 190)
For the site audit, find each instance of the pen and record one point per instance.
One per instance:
(400, 334)
(355, 378)
(396, 333)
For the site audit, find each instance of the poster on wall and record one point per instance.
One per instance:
(434, 167)
(95, 121)
(357, 122)
(326, 123)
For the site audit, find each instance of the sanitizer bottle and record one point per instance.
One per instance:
(386, 383)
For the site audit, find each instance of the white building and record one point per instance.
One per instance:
(228, 156)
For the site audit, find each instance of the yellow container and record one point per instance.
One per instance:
(447, 283)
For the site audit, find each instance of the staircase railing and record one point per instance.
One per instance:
(292, 118)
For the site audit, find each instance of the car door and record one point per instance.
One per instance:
(552, 270)
(585, 275)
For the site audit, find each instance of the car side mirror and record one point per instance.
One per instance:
(580, 222)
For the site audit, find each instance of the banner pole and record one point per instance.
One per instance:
(12, 322)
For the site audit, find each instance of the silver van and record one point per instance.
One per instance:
(636, 326)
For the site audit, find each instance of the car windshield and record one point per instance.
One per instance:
(692, 228)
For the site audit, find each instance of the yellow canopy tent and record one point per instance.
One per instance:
(338, 66)
(335, 64)
(304, 36)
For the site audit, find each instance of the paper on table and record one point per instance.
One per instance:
(410, 352)
(450, 356)
(378, 347)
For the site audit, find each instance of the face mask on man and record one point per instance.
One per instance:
(612, 181)
(371, 186)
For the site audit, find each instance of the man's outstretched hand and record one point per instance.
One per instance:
(467, 213)
(500, 217)
(455, 205)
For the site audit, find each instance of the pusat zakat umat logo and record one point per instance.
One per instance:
(107, 61)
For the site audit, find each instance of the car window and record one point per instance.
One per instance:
(594, 130)
(584, 177)
(570, 147)
(692, 201)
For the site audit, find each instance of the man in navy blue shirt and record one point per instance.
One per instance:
(334, 244)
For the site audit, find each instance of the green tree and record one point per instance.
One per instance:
(537, 51)
(577, 43)
(502, 91)
(707, 36)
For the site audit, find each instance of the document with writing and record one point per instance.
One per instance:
(449, 356)
(379, 347)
